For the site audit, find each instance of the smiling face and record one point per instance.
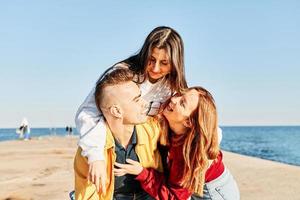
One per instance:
(181, 107)
(134, 107)
(199, 136)
(159, 64)
(124, 101)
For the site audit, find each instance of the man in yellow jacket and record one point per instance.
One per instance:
(129, 135)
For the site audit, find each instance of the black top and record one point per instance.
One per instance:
(127, 183)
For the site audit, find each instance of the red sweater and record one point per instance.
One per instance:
(154, 182)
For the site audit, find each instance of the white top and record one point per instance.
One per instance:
(90, 123)
(24, 123)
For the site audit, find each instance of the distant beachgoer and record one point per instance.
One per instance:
(20, 132)
(27, 133)
(69, 130)
(24, 130)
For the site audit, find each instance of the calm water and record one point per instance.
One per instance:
(278, 143)
(10, 134)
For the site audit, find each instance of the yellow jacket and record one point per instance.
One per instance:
(146, 149)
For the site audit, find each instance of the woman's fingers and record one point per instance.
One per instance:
(93, 177)
(119, 172)
(89, 176)
(97, 183)
(131, 161)
(120, 165)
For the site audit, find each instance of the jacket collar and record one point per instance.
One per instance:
(140, 137)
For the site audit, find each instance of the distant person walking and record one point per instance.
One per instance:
(69, 130)
(24, 130)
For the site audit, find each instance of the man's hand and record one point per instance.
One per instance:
(97, 174)
(133, 167)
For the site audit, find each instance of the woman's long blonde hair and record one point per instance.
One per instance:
(200, 143)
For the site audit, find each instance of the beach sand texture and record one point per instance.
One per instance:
(43, 169)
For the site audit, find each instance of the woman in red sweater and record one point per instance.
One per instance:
(193, 160)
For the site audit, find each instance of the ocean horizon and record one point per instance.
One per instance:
(276, 143)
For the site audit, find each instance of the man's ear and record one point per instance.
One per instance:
(115, 110)
(187, 123)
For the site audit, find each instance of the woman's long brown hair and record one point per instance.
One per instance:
(162, 37)
(201, 142)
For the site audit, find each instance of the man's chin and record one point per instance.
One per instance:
(142, 120)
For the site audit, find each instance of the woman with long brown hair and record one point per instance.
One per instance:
(193, 160)
(159, 70)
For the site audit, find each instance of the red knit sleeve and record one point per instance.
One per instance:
(154, 183)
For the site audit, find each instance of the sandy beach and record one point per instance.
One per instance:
(42, 168)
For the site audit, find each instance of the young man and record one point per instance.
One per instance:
(130, 135)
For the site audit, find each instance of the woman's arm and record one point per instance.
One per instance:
(91, 126)
(154, 183)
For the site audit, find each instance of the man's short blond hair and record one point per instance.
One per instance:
(115, 77)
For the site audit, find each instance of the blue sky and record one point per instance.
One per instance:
(245, 52)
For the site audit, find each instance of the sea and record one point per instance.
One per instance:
(277, 143)
(10, 133)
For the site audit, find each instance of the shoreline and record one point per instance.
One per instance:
(294, 165)
(42, 168)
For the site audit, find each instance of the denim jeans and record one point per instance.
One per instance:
(222, 188)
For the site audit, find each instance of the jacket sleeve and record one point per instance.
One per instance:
(154, 183)
(91, 126)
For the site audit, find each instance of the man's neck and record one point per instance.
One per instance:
(121, 132)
